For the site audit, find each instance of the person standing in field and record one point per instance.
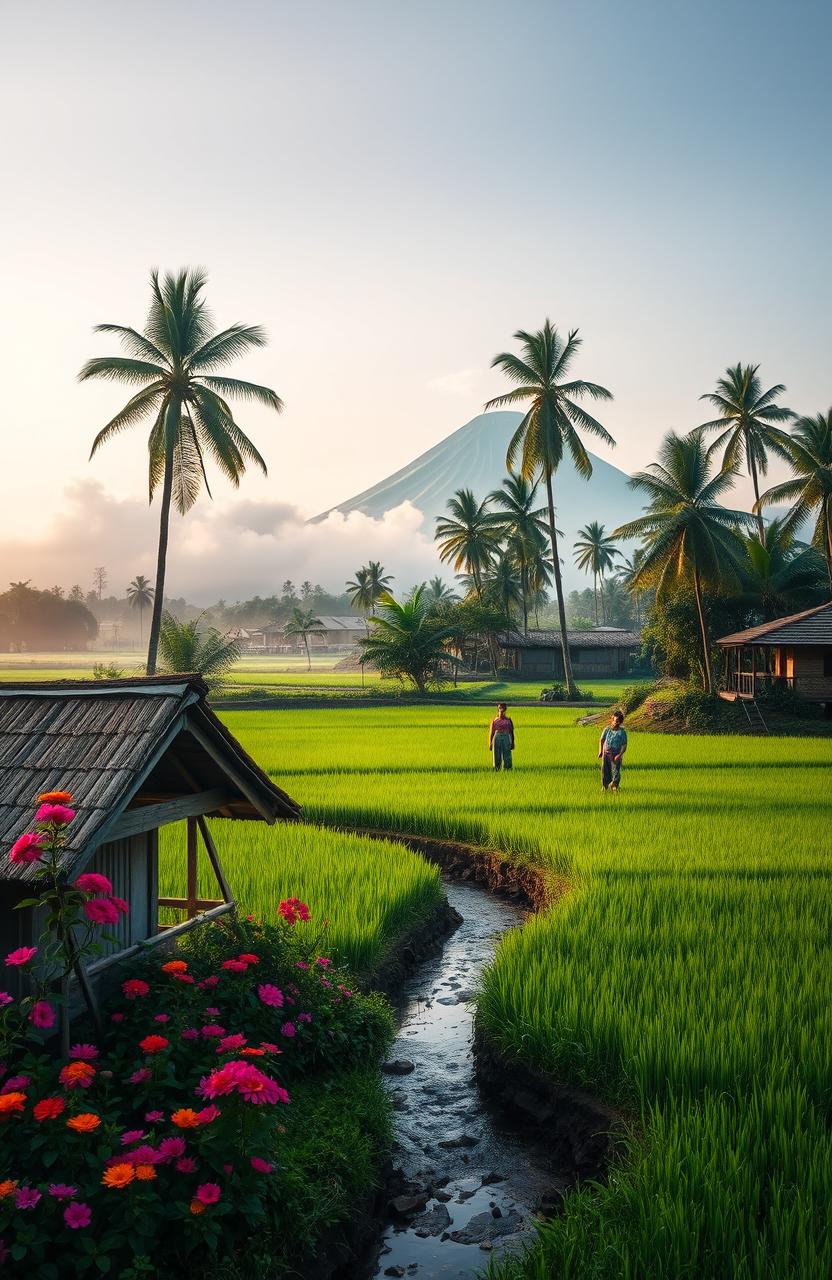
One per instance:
(611, 749)
(501, 738)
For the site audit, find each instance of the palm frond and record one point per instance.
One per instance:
(137, 407)
(244, 391)
(121, 369)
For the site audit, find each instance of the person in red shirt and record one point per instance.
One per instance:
(501, 738)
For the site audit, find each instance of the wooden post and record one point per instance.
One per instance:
(192, 868)
(214, 858)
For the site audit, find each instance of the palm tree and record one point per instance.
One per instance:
(549, 427)
(810, 455)
(467, 537)
(628, 573)
(186, 646)
(407, 640)
(688, 536)
(140, 595)
(520, 521)
(360, 594)
(503, 585)
(595, 553)
(379, 581)
(172, 364)
(302, 625)
(439, 592)
(780, 576)
(747, 424)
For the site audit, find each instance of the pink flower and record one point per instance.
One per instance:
(208, 984)
(5, 999)
(207, 1193)
(292, 910)
(142, 1155)
(100, 911)
(21, 955)
(208, 1114)
(26, 1197)
(212, 1012)
(84, 1052)
(140, 1076)
(116, 1017)
(27, 848)
(120, 905)
(171, 1149)
(213, 1030)
(131, 1136)
(234, 966)
(77, 1215)
(60, 813)
(269, 994)
(304, 1017)
(323, 962)
(186, 1165)
(228, 1169)
(61, 1191)
(42, 1014)
(134, 987)
(288, 1030)
(268, 1047)
(261, 1166)
(230, 1044)
(301, 964)
(154, 1117)
(161, 1017)
(92, 882)
(189, 1033)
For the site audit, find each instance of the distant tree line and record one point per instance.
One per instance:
(43, 620)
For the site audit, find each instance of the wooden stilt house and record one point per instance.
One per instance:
(136, 755)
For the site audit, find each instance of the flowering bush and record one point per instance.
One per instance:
(160, 1139)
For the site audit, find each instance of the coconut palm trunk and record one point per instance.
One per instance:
(553, 537)
(162, 553)
(703, 627)
(752, 467)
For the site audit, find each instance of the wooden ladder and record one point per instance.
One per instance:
(754, 715)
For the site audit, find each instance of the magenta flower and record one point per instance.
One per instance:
(61, 1191)
(207, 1193)
(116, 1017)
(77, 1215)
(186, 1165)
(42, 1014)
(142, 1155)
(5, 999)
(230, 1044)
(60, 813)
(140, 1076)
(304, 1017)
(288, 1030)
(83, 1052)
(323, 962)
(92, 882)
(120, 905)
(131, 1136)
(261, 1166)
(301, 964)
(27, 848)
(171, 1149)
(154, 1117)
(26, 1197)
(269, 994)
(14, 1083)
(234, 966)
(189, 1033)
(100, 911)
(21, 955)
(161, 1017)
(212, 1029)
(208, 984)
(207, 1114)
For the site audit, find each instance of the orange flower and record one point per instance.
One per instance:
(145, 1172)
(8, 1188)
(197, 1206)
(185, 1118)
(253, 1053)
(10, 1102)
(55, 797)
(118, 1175)
(86, 1122)
(75, 1074)
(175, 966)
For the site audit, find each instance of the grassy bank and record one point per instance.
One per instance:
(684, 978)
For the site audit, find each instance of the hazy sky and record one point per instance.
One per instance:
(392, 189)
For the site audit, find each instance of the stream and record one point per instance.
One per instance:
(470, 1185)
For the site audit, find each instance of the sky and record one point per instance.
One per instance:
(392, 190)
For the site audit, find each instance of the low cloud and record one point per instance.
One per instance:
(230, 550)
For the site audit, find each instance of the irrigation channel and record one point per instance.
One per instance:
(467, 1183)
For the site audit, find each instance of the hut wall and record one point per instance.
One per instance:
(813, 672)
(132, 865)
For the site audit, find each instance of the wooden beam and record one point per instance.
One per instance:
(147, 817)
(141, 948)
(214, 857)
(181, 904)
(237, 775)
(191, 876)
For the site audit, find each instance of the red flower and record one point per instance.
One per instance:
(153, 1044)
(175, 966)
(21, 955)
(207, 1193)
(248, 957)
(92, 882)
(100, 911)
(27, 848)
(234, 966)
(120, 904)
(59, 813)
(48, 1109)
(77, 1075)
(134, 987)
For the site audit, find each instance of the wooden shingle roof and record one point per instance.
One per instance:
(104, 741)
(599, 638)
(811, 627)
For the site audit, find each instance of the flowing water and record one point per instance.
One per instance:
(483, 1183)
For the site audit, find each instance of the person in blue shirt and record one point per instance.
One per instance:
(611, 749)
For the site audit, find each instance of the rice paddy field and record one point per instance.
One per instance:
(683, 975)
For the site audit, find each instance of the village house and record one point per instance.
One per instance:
(136, 755)
(794, 652)
(339, 635)
(604, 651)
